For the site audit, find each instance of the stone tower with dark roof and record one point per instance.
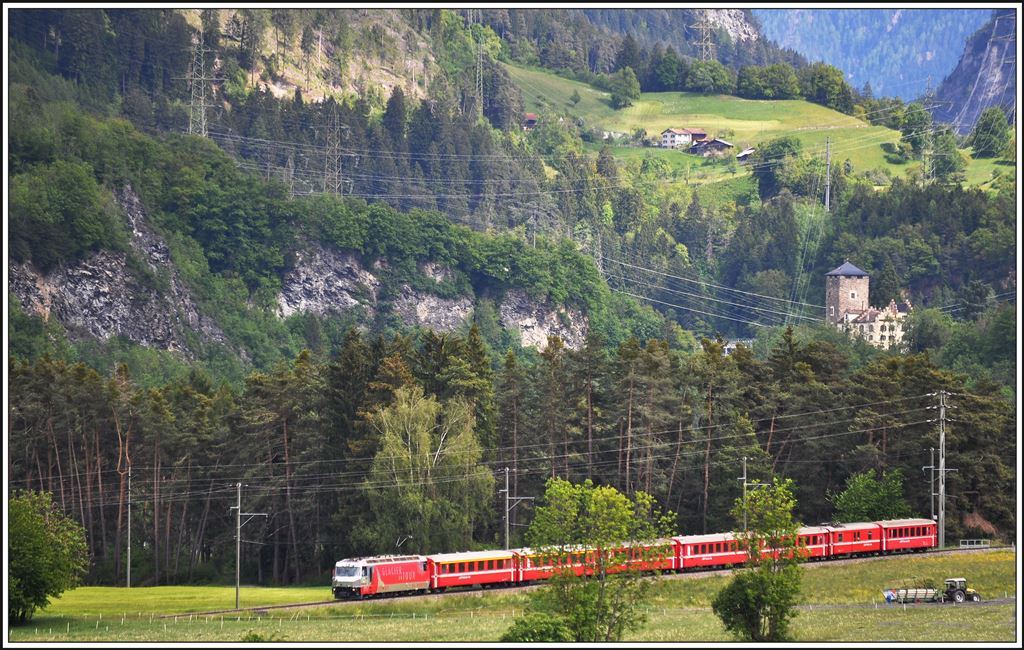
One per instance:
(846, 292)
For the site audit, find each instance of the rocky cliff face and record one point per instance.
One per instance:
(735, 22)
(985, 76)
(101, 297)
(325, 280)
(535, 322)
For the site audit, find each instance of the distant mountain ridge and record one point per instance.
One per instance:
(895, 50)
(985, 76)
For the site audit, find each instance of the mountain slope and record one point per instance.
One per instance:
(985, 76)
(895, 50)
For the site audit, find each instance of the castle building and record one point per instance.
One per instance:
(848, 308)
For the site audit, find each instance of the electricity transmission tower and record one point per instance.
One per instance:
(198, 81)
(475, 17)
(334, 182)
(704, 27)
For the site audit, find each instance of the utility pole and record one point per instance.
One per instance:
(931, 481)
(828, 171)
(238, 538)
(508, 507)
(129, 582)
(942, 468)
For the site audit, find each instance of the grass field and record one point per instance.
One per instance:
(742, 122)
(847, 606)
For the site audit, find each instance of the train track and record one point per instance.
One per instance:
(673, 576)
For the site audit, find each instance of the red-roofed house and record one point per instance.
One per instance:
(530, 121)
(672, 138)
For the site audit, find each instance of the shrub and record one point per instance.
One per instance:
(538, 627)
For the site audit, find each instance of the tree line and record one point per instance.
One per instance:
(397, 437)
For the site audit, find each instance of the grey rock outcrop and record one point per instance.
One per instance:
(325, 280)
(101, 296)
(536, 321)
(433, 312)
(735, 22)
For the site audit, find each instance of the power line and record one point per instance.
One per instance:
(299, 464)
(709, 284)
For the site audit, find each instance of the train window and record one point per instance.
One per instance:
(423, 566)
(869, 534)
(462, 567)
(840, 537)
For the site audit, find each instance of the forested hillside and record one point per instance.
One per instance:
(893, 51)
(293, 250)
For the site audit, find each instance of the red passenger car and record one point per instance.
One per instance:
(855, 539)
(815, 542)
(908, 534)
(471, 568)
(715, 550)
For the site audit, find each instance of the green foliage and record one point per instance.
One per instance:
(991, 133)
(867, 498)
(624, 88)
(47, 551)
(538, 627)
(432, 453)
(60, 213)
(598, 606)
(826, 85)
(760, 601)
(776, 81)
(757, 605)
(252, 636)
(916, 127)
(709, 77)
(767, 161)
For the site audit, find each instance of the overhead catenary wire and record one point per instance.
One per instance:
(362, 485)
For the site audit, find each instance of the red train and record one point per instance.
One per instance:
(393, 574)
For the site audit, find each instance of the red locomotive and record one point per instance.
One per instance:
(389, 574)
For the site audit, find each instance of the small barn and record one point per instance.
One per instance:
(716, 147)
(745, 155)
(530, 121)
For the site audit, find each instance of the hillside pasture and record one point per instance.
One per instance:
(741, 122)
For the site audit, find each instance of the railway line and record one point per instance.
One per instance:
(688, 575)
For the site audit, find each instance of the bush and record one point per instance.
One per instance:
(47, 552)
(538, 627)
(255, 637)
(758, 604)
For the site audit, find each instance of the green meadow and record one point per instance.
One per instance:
(742, 122)
(841, 603)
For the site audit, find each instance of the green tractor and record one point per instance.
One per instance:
(958, 591)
